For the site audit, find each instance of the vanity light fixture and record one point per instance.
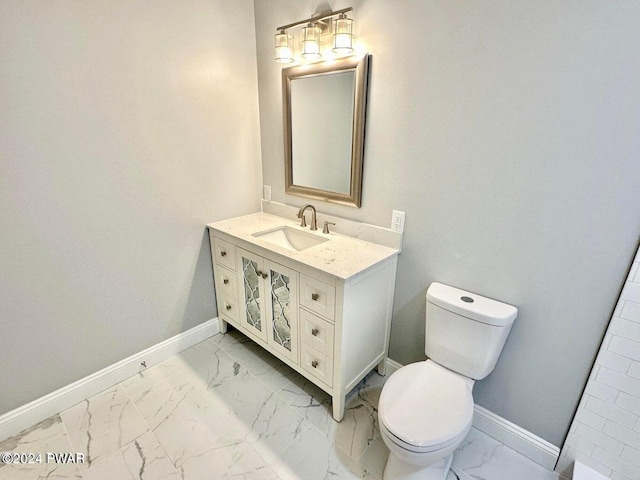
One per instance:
(343, 34)
(284, 47)
(340, 28)
(311, 41)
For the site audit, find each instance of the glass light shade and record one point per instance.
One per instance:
(311, 42)
(284, 47)
(343, 35)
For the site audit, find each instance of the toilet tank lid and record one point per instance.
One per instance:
(471, 305)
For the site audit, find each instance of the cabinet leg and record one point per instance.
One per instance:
(382, 367)
(223, 326)
(337, 402)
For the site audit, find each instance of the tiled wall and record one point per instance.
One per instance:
(605, 433)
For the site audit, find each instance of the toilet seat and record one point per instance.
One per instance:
(424, 449)
(425, 407)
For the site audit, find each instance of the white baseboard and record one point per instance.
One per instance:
(392, 366)
(516, 438)
(44, 407)
(508, 433)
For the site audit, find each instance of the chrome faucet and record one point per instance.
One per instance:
(303, 221)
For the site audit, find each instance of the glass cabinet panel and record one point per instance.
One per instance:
(251, 292)
(252, 318)
(281, 309)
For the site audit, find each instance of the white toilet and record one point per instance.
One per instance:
(426, 408)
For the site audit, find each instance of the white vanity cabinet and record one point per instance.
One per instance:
(332, 330)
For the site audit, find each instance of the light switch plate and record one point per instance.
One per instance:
(397, 221)
(266, 193)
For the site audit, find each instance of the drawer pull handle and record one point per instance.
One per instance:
(265, 275)
(314, 332)
(315, 296)
(228, 307)
(225, 281)
(223, 253)
(314, 364)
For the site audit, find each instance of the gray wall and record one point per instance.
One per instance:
(125, 127)
(508, 132)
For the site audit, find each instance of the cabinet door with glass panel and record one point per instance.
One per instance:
(269, 296)
(282, 307)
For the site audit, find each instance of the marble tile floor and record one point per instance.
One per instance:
(226, 409)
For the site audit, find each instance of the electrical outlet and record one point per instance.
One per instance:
(397, 221)
(266, 193)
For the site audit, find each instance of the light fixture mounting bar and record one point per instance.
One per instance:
(322, 16)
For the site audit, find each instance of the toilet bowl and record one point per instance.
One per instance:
(445, 405)
(426, 408)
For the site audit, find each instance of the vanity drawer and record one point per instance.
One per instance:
(225, 281)
(229, 307)
(316, 332)
(317, 364)
(317, 296)
(224, 253)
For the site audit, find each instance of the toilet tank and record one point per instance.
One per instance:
(466, 332)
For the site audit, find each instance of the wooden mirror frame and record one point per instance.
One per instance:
(359, 65)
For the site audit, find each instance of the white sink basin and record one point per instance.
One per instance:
(290, 238)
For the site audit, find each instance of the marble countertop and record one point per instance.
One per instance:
(340, 256)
